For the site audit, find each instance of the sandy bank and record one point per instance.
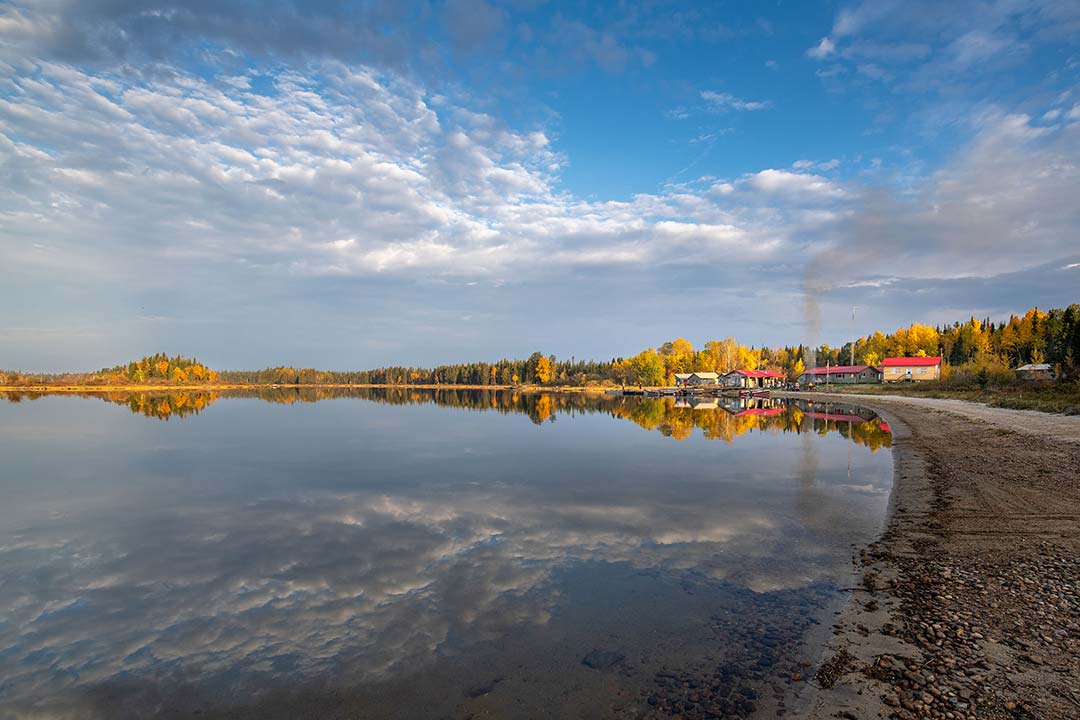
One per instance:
(970, 602)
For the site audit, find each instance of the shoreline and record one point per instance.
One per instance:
(968, 605)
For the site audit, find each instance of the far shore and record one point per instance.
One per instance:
(68, 388)
(1058, 398)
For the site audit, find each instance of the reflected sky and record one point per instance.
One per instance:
(387, 537)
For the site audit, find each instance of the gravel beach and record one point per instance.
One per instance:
(969, 604)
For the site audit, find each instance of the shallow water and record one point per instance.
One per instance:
(424, 554)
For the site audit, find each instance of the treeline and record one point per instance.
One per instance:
(967, 347)
(653, 366)
(536, 370)
(1036, 337)
(971, 347)
(159, 369)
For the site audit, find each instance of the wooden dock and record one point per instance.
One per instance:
(700, 391)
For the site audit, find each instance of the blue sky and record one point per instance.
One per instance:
(345, 185)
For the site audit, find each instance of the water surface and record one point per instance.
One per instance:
(424, 554)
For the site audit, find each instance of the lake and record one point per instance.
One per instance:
(410, 554)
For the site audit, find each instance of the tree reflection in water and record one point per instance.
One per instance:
(723, 418)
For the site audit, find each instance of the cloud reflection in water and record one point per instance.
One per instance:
(365, 579)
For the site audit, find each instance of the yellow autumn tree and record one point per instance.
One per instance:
(544, 370)
(923, 340)
(749, 359)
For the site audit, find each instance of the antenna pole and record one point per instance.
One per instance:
(853, 308)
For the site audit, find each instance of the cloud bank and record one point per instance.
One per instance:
(143, 142)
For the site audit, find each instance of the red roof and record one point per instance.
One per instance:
(911, 361)
(837, 369)
(759, 373)
(763, 412)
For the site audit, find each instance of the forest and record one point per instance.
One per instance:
(159, 369)
(972, 347)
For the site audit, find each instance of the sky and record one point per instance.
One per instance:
(348, 185)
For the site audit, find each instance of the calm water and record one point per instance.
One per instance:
(445, 555)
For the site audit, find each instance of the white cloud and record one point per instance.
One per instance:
(946, 45)
(795, 184)
(977, 46)
(822, 50)
(726, 101)
(1004, 203)
(810, 164)
(356, 173)
(342, 172)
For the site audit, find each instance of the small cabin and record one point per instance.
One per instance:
(911, 369)
(1035, 371)
(702, 378)
(753, 379)
(841, 375)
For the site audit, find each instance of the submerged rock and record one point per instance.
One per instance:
(602, 659)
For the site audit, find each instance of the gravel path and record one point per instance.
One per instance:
(1050, 425)
(970, 602)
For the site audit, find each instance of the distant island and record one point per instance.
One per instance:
(978, 356)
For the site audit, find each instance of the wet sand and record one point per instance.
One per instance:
(969, 604)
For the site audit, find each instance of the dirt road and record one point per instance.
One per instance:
(970, 602)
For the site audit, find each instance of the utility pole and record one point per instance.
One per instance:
(853, 309)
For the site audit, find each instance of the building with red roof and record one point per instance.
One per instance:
(753, 379)
(914, 369)
(841, 375)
